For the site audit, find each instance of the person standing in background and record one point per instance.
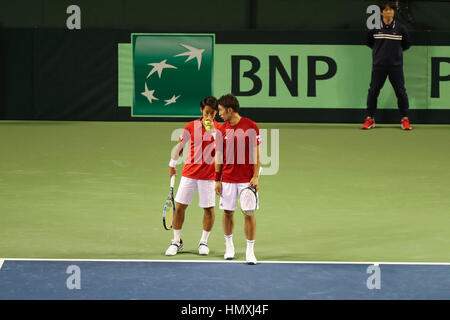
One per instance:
(388, 44)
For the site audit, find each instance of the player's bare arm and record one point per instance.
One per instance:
(218, 169)
(254, 180)
(174, 158)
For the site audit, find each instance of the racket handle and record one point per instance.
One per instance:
(172, 181)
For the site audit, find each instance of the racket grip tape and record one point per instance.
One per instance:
(172, 181)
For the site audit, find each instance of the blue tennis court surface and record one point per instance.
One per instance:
(220, 280)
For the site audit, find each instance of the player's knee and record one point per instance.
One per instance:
(209, 211)
(249, 218)
(180, 209)
(228, 213)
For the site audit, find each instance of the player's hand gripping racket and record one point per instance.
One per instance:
(169, 206)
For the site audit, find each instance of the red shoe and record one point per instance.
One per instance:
(369, 124)
(405, 124)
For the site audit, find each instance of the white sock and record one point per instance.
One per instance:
(177, 235)
(205, 235)
(250, 244)
(229, 240)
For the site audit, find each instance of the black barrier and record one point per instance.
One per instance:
(219, 15)
(1, 74)
(17, 74)
(75, 74)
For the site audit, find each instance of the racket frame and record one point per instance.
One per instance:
(169, 202)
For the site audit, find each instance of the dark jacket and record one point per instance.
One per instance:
(388, 44)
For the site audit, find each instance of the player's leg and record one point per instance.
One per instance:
(208, 219)
(208, 222)
(250, 231)
(228, 225)
(178, 219)
(207, 201)
(250, 226)
(228, 222)
(228, 203)
(185, 193)
(397, 79)
(377, 81)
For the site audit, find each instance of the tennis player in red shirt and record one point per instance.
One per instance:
(237, 167)
(198, 173)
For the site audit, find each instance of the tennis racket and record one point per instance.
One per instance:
(169, 206)
(248, 200)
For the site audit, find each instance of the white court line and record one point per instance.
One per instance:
(228, 261)
(1, 263)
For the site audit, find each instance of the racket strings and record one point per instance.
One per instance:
(248, 200)
(168, 214)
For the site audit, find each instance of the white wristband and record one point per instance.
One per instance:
(172, 163)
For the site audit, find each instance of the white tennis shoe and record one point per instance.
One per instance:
(229, 253)
(203, 248)
(174, 248)
(250, 257)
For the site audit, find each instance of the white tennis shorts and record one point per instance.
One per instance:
(230, 194)
(188, 187)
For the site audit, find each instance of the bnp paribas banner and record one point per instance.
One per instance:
(270, 76)
(171, 72)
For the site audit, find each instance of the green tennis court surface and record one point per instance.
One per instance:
(95, 190)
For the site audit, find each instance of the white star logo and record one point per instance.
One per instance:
(192, 53)
(149, 94)
(171, 100)
(158, 67)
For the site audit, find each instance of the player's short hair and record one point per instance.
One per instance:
(209, 101)
(383, 4)
(229, 101)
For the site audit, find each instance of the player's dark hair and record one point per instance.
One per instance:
(229, 101)
(209, 101)
(383, 4)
